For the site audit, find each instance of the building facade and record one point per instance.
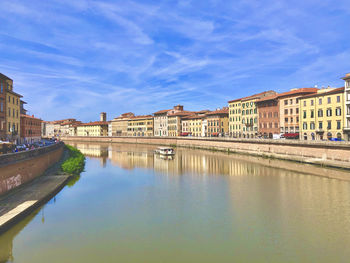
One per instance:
(120, 124)
(347, 107)
(161, 120)
(243, 115)
(268, 120)
(12, 109)
(3, 129)
(175, 122)
(321, 115)
(140, 126)
(30, 129)
(217, 123)
(97, 128)
(289, 109)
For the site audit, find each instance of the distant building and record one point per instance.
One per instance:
(289, 109)
(140, 126)
(11, 106)
(119, 125)
(216, 123)
(97, 128)
(347, 107)
(321, 115)
(175, 122)
(243, 115)
(30, 129)
(269, 119)
(161, 120)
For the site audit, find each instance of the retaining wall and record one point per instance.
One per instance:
(22, 167)
(334, 154)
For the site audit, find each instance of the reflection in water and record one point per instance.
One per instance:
(198, 206)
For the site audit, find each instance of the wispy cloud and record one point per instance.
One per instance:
(77, 58)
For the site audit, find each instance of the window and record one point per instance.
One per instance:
(297, 110)
(338, 98)
(329, 125)
(319, 101)
(305, 125)
(1, 88)
(286, 102)
(312, 113)
(320, 113)
(312, 126)
(320, 125)
(291, 101)
(338, 111)
(291, 111)
(338, 125)
(329, 112)
(304, 114)
(286, 111)
(329, 100)
(312, 102)
(305, 103)
(286, 119)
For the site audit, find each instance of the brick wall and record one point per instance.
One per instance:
(19, 168)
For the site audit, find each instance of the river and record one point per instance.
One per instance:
(130, 205)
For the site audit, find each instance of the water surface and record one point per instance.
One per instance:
(133, 206)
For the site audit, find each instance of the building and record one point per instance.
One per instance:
(216, 123)
(175, 122)
(268, 120)
(119, 125)
(30, 129)
(3, 85)
(11, 107)
(140, 126)
(321, 114)
(347, 107)
(97, 128)
(289, 109)
(243, 115)
(161, 120)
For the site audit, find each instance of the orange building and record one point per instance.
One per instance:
(30, 129)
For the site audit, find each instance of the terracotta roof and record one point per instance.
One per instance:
(142, 117)
(221, 111)
(14, 93)
(4, 76)
(191, 117)
(161, 111)
(251, 96)
(273, 97)
(29, 117)
(94, 123)
(180, 113)
(298, 91)
(347, 76)
(333, 91)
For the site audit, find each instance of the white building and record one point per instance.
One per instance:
(161, 120)
(347, 107)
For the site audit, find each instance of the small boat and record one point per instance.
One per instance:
(165, 151)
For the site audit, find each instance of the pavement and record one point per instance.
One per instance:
(21, 201)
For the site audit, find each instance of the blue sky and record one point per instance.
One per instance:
(76, 58)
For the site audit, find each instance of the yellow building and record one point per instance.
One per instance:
(139, 126)
(217, 123)
(175, 121)
(195, 125)
(120, 124)
(235, 110)
(11, 107)
(243, 115)
(321, 115)
(97, 128)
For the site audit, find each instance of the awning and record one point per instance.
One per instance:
(185, 133)
(291, 135)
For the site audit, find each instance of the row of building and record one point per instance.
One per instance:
(15, 124)
(304, 113)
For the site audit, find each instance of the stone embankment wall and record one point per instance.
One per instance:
(22, 167)
(334, 154)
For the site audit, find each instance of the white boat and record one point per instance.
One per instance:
(165, 151)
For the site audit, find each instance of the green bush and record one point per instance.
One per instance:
(75, 163)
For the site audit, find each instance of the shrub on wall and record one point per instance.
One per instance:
(75, 163)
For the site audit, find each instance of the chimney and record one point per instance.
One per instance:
(179, 107)
(103, 116)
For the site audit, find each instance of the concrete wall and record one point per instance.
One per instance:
(19, 168)
(334, 154)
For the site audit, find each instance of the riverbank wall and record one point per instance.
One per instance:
(332, 154)
(19, 168)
